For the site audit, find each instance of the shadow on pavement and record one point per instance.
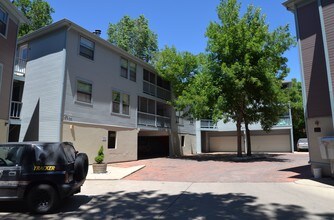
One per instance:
(152, 205)
(234, 158)
(302, 172)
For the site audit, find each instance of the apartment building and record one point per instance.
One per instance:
(72, 85)
(315, 35)
(10, 19)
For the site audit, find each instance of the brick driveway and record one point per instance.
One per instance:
(223, 168)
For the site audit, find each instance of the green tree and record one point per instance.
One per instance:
(297, 110)
(134, 36)
(247, 63)
(37, 11)
(177, 67)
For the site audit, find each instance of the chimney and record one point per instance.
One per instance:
(97, 33)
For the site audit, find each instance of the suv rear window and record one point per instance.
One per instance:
(49, 154)
(10, 155)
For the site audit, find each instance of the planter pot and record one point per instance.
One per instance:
(99, 167)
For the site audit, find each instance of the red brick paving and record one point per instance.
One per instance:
(219, 168)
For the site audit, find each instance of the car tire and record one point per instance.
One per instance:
(42, 199)
(80, 167)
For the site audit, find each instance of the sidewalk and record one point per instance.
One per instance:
(113, 172)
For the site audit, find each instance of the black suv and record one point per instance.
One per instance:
(41, 173)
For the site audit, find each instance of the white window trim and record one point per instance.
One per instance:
(121, 103)
(7, 24)
(76, 92)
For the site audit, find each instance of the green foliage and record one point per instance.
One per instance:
(37, 11)
(100, 156)
(134, 36)
(297, 109)
(177, 67)
(246, 60)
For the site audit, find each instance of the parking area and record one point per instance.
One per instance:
(223, 168)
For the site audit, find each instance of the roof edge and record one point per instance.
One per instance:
(17, 13)
(67, 23)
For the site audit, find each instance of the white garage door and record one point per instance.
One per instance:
(223, 143)
(271, 143)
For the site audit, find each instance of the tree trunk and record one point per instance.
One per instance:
(239, 136)
(248, 140)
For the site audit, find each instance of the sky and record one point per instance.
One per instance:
(179, 23)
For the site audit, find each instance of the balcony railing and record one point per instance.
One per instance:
(147, 119)
(163, 93)
(154, 90)
(20, 66)
(206, 123)
(15, 112)
(284, 121)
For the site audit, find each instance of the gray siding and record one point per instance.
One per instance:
(7, 53)
(104, 74)
(328, 13)
(315, 74)
(44, 84)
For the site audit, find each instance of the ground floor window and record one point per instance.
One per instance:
(111, 139)
(182, 140)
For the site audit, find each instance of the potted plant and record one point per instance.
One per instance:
(99, 166)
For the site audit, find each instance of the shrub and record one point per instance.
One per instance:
(100, 156)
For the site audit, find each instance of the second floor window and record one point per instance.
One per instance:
(133, 72)
(3, 22)
(87, 48)
(124, 68)
(128, 69)
(120, 103)
(84, 92)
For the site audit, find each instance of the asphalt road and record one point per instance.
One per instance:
(127, 199)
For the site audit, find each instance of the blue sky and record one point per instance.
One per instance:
(181, 23)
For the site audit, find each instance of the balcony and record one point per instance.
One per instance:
(157, 121)
(20, 66)
(163, 93)
(154, 90)
(208, 124)
(15, 112)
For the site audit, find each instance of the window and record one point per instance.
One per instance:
(111, 139)
(84, 91)
(133, 72)
(128, 70)
(182, 141)
(124, 68)
(87, 48)
(3, 22)
(120, 103)
(125, 104)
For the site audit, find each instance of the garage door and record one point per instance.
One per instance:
(223, 143)
(271, 143)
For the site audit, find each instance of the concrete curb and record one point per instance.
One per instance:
(113, 173)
